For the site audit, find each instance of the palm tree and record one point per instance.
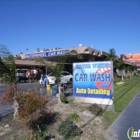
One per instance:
(121, 66)
(38, 49)
(57, 68)
(57, 71)
(133, 67)
(111, 56)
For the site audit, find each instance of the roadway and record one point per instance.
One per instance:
(8, 107)
(21, 87)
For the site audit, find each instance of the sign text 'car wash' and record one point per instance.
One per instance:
(47, 54)
(93, 82)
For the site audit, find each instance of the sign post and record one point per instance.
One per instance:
(93, 82)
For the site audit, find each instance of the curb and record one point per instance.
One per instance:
(6, 115)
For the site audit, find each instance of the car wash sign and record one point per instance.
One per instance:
(47, 54)
(93, 82)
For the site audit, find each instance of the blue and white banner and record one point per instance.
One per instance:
(93, 80)
(47, 54)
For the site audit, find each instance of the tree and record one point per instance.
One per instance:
(121, 66)
(133, 68)
(111, 56)
(38, 49)
(57, 71)
(8, 74)
(57, 67)
(7, 66)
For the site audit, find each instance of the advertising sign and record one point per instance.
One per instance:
(93, 82)
(131, 57)
(47, 54)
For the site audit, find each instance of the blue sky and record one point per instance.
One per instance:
(102, 24)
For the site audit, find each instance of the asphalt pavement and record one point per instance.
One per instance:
(129, 119)
(21, 87)
(7, 108)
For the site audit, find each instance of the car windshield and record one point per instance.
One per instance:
(64, 73)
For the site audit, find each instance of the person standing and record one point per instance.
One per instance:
(38, 76)
(45, 80)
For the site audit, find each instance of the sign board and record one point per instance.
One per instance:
(130, 57)
(47, 54)
(93, 82)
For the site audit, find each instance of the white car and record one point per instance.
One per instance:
(66, 77)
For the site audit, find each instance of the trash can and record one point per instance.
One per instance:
(54, 89)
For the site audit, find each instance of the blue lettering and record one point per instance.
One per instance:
(100, 65)
(103, 77)
(81, 77)
(93, 77)
(100, 77)
(76, 77)
(108, 77)
(80, 66)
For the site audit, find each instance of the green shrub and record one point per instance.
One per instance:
(95, 109)
(68, 129)
(63, 99)
(74, 116)
(40, 135)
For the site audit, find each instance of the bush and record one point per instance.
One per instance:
(95, 109)
(68, 129)
(74, 116)
(63, 99)
(29, 103)
(8, 96)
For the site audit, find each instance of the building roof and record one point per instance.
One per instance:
(79, 50)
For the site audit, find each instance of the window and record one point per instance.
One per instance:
(65, 73)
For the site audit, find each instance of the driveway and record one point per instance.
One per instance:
(129, 118)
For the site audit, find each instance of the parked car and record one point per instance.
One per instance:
(66, 77)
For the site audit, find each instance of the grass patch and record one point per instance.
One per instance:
(122, 96)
